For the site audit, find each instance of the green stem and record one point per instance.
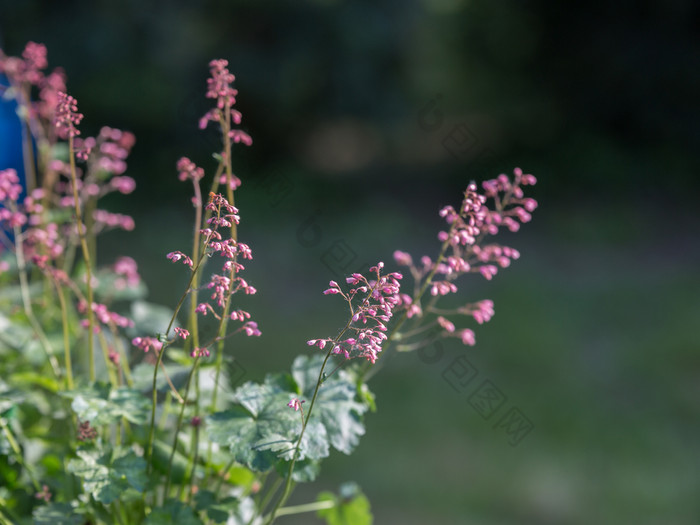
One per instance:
(195, 458)
(27, 149)
(18, 452)
(66, 342)
(307, 507)
(159, 359)
(26, 301)
(179, 424)
(220, 481)
(268, 495)
(288, 484)
(86, 258)
(111, 371)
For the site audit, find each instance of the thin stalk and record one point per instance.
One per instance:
(18, 453)
(305, 423)
(306, 507)
(159, 359)
(288, 482)
(194, 463)
(65, 329)
(178, 427)
(123, 359)
(268, 495)
(27, 149)
(194, 324)
(3, 519)
(220, 481)
(105, 353)
(86, 258)
(26, 301)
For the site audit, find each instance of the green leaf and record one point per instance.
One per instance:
(29, 379)
(101, 404)
(262, 431)
(351, 507)
(161, 459)
(106, 480)
(93, 467)
(171, 512)
(132, 468)
(107, 291)
(143, 377)
(14, 334)
(305, 470)
(336, 406)
(256, 438)
(217, 511)
(56, 514)
(149, 318)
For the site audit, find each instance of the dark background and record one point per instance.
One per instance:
(354, 108)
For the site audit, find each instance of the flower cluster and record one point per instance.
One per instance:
(219, 88)
(105, 316)
(67, 118)
(229, 282)
(28, 68)
(86, 432)
(464, 250)
(111, 148)
(27, 71)
(371, 305)
(147, 343)
(128, 273)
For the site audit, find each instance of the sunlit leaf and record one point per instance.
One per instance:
(351, 507)
(56, 514)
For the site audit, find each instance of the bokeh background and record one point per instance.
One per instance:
(368, 117)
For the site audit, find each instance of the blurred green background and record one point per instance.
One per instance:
(367, 117)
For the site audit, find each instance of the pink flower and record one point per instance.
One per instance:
(240, 136)
(219, 85)
(447, 325)
(402, 258)
(465, 251)
(146, 343)
(188, 170)
(467, 337)
(371, 303)
(251, 329)
(239, 315)
(123, 184)
(234, 184)
(295, 404)
(488, 271)
(176, 256)
(44, 494)
(10, 187)
(484, 311)
(67, 116)
(182, 332)
(127, 269)
(199, 352)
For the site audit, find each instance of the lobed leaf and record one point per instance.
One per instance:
(102, 404)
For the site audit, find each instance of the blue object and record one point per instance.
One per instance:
(10, 133)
